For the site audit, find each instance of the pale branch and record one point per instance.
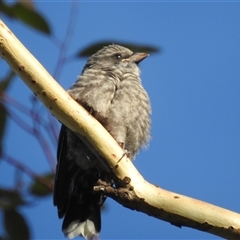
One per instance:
(135, 193)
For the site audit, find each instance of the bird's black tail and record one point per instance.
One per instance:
(82, 219)
(75, 179)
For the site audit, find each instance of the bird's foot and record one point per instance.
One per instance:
(126, 152)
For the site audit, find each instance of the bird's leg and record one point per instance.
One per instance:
(126, 152)
(121, 191)
(121, 144)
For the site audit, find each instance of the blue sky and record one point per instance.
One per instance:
(193, 84)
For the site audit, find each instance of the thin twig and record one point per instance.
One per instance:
(62, 58)
(64, 45)
(34, 130)
(12, 161)
(22, 124)
(45, 146)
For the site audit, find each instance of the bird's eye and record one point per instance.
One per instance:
(118, 56)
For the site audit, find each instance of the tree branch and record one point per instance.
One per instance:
(136, 193)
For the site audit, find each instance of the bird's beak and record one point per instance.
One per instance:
(136, 57)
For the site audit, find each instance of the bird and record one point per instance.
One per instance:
(110, 89)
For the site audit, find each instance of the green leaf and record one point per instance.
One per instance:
(3, 120)
(5, 82)
(7, 10)
(39, 189)
(26, 14)
(93, 48)
(10, 199)
(15, 225)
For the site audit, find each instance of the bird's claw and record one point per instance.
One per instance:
(126, 152)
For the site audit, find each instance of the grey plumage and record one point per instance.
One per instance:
(110, 89)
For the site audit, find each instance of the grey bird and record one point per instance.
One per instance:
(110, 88)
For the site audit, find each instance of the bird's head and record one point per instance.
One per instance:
(115, 56)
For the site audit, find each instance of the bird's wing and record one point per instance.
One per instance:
(62, 181)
